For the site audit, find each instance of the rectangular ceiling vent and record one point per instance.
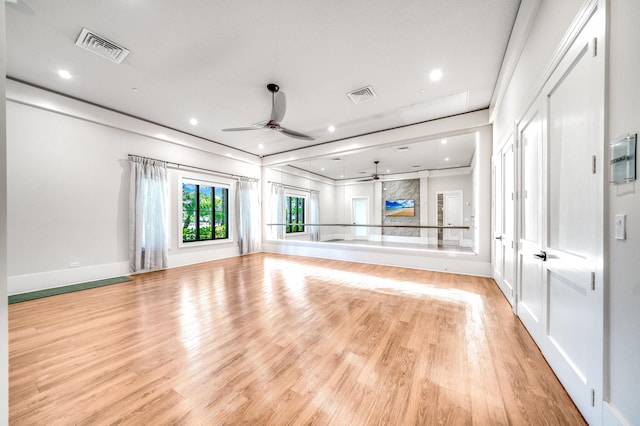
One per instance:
(402, 149)
(362, 95)
(101, 46)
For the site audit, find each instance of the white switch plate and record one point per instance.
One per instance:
(621, 226)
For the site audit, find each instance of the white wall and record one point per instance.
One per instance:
(623, 349)
(552, 21)
(4, 320)
(68, 196)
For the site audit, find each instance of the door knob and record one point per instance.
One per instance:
(542, 255)
(499, 238)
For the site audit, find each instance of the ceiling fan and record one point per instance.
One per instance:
(374, 176)
(278, 109)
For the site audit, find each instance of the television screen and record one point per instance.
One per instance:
(399, 208)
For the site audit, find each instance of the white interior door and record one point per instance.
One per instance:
(497, 257)
(452, 216)
(561, 244)
(504, 214)
(360, 215)
(530, 294)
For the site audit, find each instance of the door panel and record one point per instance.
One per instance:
(504, 215)
(453, 215)
(574, 212)
(508, 225)
(565, 328)
(561, 220)
(498, 261)
(360, 215)
(530, 294)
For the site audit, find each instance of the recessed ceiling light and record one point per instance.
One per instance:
(193, 122)
(435, 75)
(64, 74)
(443, 141)
(260, 146)
(341, 176)
(446, 159)
(388, 171)
(322, 169)
(332, 128)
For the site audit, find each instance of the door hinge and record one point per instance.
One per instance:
(593, 164)
(593, 397)
(593, 281)
(594, 45)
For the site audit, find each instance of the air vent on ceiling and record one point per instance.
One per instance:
(101, 46)
(362, 95)
(402, 149)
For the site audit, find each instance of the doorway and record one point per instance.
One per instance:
(449, 214)
(360, 216)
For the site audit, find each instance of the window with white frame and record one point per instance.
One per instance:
(205, 211)
(295, 213)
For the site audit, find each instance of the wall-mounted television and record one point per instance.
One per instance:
(399, 208)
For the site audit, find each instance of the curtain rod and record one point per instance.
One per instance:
(214, 172)
(294, 187)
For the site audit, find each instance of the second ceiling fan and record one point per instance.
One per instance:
(278, 109)
(374, 176)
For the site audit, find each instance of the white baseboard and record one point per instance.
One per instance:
(612, 417)
(193, 257)
(51, 279)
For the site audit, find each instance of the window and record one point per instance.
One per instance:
(205, 211)
(294, 214)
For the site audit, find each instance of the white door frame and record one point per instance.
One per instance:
(364, 230)
(503, 253)
(452, 234)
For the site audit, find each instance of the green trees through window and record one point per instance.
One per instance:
(294, 214)
(205, 212)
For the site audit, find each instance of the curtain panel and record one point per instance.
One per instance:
(248, 215)
(314, 215)
(276, 207)
(148, 221)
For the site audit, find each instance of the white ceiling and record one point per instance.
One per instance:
(211, 60)
(434, 154)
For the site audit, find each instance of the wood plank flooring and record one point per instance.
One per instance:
(280, 340)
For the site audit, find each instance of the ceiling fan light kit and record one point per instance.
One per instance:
(278, 110)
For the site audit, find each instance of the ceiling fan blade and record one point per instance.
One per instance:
(278, 107)
(20, 6)
(240, 129)
(293, 134)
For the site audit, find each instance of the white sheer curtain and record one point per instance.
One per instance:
(248, 215)
(276, 204)
(314, 215)
(147, 215)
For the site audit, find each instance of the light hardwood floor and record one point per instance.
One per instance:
(272, 339)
